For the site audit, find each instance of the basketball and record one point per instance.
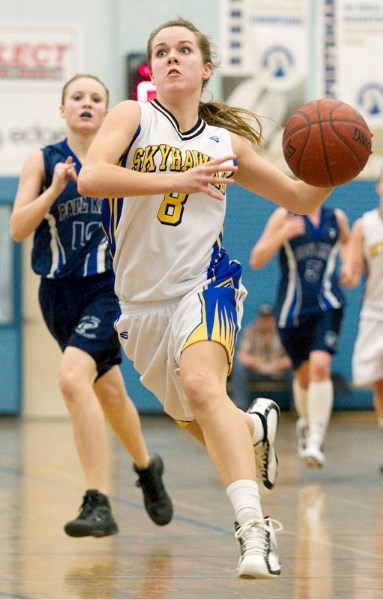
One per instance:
(326, 142)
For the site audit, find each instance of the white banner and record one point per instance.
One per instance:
(35, 63)
(360, 75)
(265, 62)
(350, 65)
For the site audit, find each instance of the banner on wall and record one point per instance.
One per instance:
(35, 63)
(264, 63)
(279, 54)
(350, 66)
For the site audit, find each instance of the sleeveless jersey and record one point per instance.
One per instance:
(308, 263)
(69, 242)
(165, 245)
(372, 306)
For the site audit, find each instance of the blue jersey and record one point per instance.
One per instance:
(70, 241)
(309, 281)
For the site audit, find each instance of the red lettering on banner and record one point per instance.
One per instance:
(33, 54)
(40, 54)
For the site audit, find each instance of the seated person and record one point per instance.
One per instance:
(260, 356)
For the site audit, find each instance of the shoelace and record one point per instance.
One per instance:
(88, 504)
(252, 534)
(260, 457)
(152, 486)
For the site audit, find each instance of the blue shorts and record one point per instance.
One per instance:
(80, 312)
(315, 332)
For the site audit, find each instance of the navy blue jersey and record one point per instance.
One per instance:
(308, 283)
(70, 241)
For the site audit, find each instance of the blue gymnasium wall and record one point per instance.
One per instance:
(246, 217)
(11, 333)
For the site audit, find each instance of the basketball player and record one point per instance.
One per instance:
(70, 253)
(365, 257)
(309, 310)
(165, 166)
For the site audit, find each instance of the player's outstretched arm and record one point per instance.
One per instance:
(261, 177)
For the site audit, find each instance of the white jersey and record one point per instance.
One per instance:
(372, 307)
(166, 245)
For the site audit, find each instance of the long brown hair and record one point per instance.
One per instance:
(235, 119)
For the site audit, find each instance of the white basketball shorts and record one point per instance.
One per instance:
(154, 334)
(367, 359)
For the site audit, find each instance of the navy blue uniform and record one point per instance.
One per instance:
(70, 241)
(309, 304)
(71, 254)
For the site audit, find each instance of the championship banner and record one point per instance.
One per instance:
(350, 66)
(35, 63)
(360, 75)
(265, 62)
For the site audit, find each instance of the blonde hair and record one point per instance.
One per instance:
(235, 119)
(83, 76)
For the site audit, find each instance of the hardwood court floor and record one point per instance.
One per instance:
(331, 545)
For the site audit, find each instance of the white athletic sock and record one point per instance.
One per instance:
(244, 496)
(320, 399)
(300, 399)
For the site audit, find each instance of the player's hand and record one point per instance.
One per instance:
(347, 276)
(208, 177)
(63, 172)
(293, 226)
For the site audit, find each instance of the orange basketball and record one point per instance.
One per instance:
(326, 142)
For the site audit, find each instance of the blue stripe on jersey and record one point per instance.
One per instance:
(219, 261)
(110, 215)
(112, 207)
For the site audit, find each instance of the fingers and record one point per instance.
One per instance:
(228, 163)
(63, 172)
(67, 169)
(213, 193)
(209, 177)
(231, 159)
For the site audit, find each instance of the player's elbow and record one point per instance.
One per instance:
(85, 183)
(354, 282)
(256, 261)
(253, 263)
(15, 232)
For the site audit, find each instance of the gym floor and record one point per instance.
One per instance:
(331, 545)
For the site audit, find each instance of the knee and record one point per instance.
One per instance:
(112, 398)
(320, 372)
(197, 389)
(69, 384)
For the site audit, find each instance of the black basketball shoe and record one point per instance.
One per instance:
(95, 517)
(157, 502)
